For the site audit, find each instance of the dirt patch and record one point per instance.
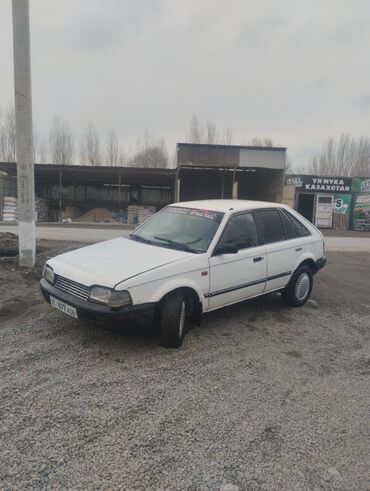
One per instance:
(96, 215)
(19, 288)
(8, 244)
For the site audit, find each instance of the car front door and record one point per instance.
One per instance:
(241, 274)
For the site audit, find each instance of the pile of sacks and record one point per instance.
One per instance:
(10, 209)
(144, 213)
(139, 214)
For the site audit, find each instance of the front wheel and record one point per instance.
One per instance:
(172, 320)
(299, 288)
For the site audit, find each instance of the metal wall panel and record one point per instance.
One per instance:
(268, 159)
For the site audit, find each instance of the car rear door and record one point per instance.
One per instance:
(281, 250)
(235, 277)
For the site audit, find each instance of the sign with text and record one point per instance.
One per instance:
(320, 184)
(360, 185)
(342, 204)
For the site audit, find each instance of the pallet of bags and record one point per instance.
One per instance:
(144, 213)
(10, 209)
(132, 214)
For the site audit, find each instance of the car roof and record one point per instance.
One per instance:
(226, 205)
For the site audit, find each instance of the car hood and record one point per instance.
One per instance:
(113, 261)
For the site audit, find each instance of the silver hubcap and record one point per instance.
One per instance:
(302, 286)
(182, 319)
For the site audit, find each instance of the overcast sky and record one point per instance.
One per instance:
(297, 71)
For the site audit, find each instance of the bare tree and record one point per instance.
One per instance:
(288, 165)
(208, 133)
(122, 158)
(212, 133)
(43, 151)
(7, 135)
(111, 153)
(60, 143)
(35, 143)
(261, 142)
(362, 165)
(346, 156)
(90, 146)
(3, 142)
(150, 153)
(172, 160)
(227, 136)
(10, 127)
(196, 132)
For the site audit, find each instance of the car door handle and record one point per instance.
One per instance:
(298, 249)
(257, 259)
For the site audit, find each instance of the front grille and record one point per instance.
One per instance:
(71, 287)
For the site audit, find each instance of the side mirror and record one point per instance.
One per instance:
(226, 249)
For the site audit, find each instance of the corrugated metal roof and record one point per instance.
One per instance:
(98, 174)
(250, 147)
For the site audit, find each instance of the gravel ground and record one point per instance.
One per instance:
(260, 397)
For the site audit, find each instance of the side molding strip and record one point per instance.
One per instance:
(246, 285)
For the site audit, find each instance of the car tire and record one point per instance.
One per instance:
(173, 320)
(299, 288)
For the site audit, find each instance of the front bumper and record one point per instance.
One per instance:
(98, 313)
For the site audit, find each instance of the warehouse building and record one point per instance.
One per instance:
(131, 194)
(229, 171)
(98, 193)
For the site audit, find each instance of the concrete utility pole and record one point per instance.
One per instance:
(24, 133)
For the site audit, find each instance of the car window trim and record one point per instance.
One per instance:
(243, 212)
(260, 235)
(286, 213)
(281, 213)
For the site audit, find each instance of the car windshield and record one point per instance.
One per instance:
(180, 228)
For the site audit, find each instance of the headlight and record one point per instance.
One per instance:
(110, 297)
(48, 273)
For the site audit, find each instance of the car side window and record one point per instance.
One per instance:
(271, 226)
(302, 231)
(290, 231)
(240, 231)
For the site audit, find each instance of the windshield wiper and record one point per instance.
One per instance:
(176, 244)
(140, 238)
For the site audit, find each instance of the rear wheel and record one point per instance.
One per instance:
(299, 288)
(173, 320)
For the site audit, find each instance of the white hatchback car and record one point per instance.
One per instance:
(188, 259)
